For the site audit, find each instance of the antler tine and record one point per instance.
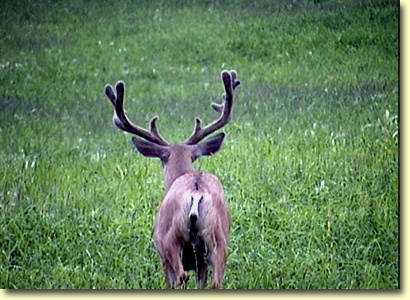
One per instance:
(230, 83)
(121, 120)
(219, 107)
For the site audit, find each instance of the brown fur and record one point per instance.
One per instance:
(172, 227)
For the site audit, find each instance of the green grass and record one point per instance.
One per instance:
(310, 164)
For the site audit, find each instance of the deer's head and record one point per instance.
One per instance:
(177, 159)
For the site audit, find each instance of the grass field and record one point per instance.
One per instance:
(310, 163)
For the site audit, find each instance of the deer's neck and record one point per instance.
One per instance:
(173, 173)
(178, 163)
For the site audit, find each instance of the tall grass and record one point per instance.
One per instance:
(310, 165)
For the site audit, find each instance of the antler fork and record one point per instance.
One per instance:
(230, 82)
(121, 120)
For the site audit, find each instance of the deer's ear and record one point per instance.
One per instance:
(210, 146)
(149, 149)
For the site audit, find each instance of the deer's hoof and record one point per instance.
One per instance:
(184, 277)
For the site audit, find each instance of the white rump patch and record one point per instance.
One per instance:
(196, 199)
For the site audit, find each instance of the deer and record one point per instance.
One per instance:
(191, 230)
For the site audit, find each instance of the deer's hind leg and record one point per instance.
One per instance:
(169, 274)
(176, 276)
(218, 260)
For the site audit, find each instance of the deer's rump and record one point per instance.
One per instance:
(193, 223)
